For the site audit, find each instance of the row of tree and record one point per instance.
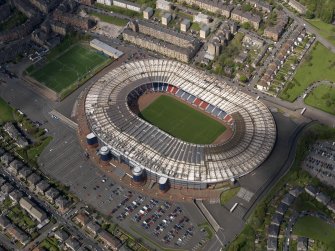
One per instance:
(323, 9)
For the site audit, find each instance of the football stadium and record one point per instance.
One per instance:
(176, 125)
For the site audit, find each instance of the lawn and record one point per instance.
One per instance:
(323, 98)
(228, 194)
(14, 20)
(35, 151)
(182, 121)
(318, 65)
(20, 218)
(50, 244)
(315, 229)
(324, 29)
(195, 27)
(110, 19)
(122, 11)
(6, 112)
(68, 68)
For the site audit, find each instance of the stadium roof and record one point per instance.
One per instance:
(106, 48)
(147, 146)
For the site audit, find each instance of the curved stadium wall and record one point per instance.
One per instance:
(138, 143)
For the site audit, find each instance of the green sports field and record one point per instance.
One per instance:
(73, 65)
(182, 121)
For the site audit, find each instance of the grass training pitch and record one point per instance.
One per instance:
(315, 229)
(182, 121)
(73, 65)
(318, 65)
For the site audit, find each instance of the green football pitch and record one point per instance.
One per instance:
(63, 71)
(182, 121)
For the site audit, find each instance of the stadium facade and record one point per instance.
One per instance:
(137, 143)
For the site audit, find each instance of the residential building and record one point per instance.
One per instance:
(302, 244)
(163, 5)
(35, 211)
(246, 17)
(61, 235)
(147, 13)
(45, 6)
(311, 190)
(14, 133)
(127, 5)
(42, 186)
(204, 31)
(7, 188)
(14, 167)
(185, 24)
(15, 195)
(282, 208)
(87, 2)
(82, 219)
(4, 222)
(73, 244)
(166, 18)
(277, 219)
(33, 179)
(18, 234)
(52, 194)
(288, 199)
(2, 181)
(2, 151)
(322, 198)
(24, 172)
(109, 240)
(253, 41)
(260, 5)
(331, 206)
(214, 6)
(93, 227)
(6, 159)
(275, 32)
(62, 203)
(162, 40)
(273, 231)
(301, 9)
(272, 244)
(201, 18)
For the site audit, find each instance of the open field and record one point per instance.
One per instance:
(324, 29)
(182, 121)
(318, 65)
(323, 98)
(110, 19)
(68, 68)
(315, 229)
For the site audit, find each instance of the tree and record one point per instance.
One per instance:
(309, 14)
(327, 15)
(246, 26)
(243, 79)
